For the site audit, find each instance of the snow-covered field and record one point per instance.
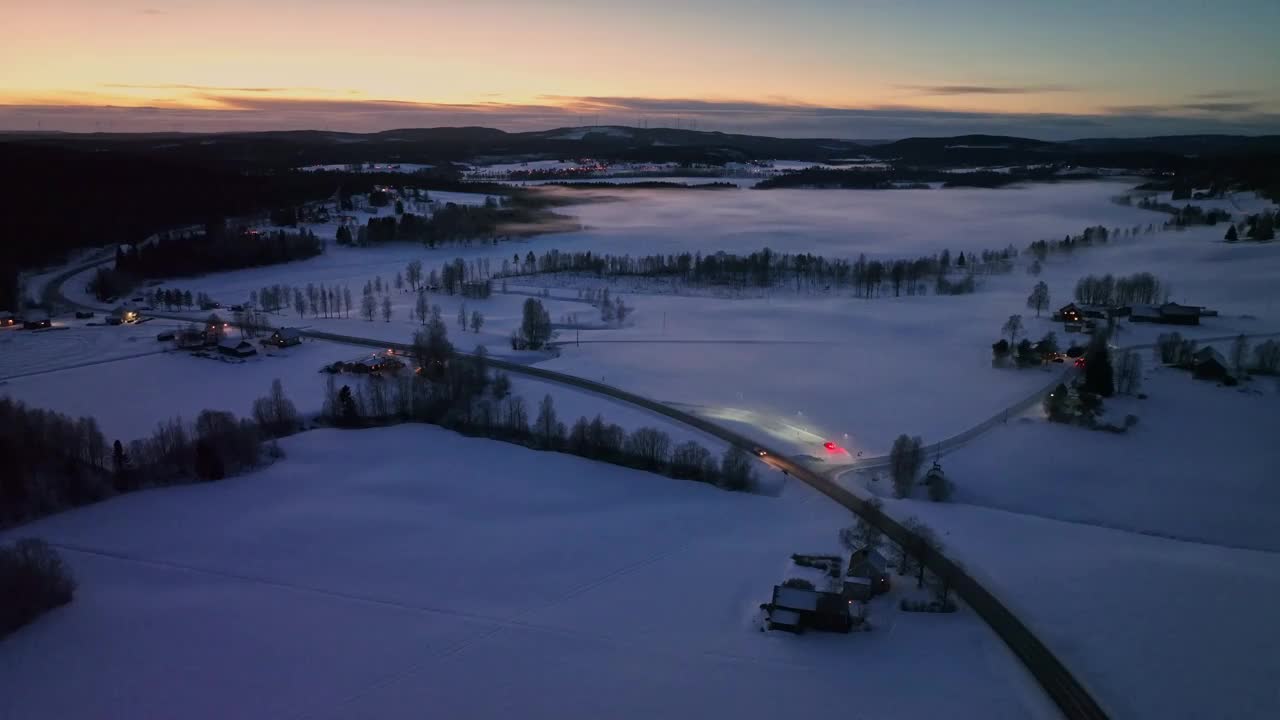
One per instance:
(1154, 628)
(1147, 560)
(388, 573)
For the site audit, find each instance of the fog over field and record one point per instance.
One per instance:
(843, 223)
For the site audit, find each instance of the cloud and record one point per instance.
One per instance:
(1183, 108)
(208, 88)
(985, 89)
(247, 109)
(1225, 107)
(151, 11)
(1224, 95)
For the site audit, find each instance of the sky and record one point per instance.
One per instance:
(832, 68)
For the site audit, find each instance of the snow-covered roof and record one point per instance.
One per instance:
(870, 556)
(854, 580)
(795, 598)
(289, 333)
(784, 617)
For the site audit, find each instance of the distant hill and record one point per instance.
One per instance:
(287, 149)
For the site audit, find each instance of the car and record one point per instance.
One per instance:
(1058, 359)
(760, 452)
(829, 445)
(1079, 362)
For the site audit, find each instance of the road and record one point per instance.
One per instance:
(1058, 682)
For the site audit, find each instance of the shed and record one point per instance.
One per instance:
(1208, 364)
(236, 348)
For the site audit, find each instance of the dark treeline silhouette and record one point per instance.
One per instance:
(457, 392)
(33, 580)
(216, 249)
(72, 199)
(867, 278)
(905, 178)
(1185, 215)
(1092, 235)
(1137, 289)
(455, 223)
(55, 462)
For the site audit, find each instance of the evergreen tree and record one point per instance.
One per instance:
(1232, 235)
(1098, 376)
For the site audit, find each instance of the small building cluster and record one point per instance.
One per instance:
(374, 363)
(827, 592)
(1081, 317)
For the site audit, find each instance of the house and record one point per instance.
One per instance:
(7, 319)
(1175, 314)
(1208, 364)
(795, 609)
(36, 320)
(284, 337)
(869, 565)
(122, 314)
(1168, 314)
(84, 314)
(236, 348)
(1077, 312)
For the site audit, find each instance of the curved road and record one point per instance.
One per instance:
(1058, 682)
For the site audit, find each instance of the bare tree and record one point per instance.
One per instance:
(386, 308)
(368, 307)
(1039, 298)
(549, 430)
(413, 273)
(1013, 328)
(863, 533)
(477, 321)
(1240, 353)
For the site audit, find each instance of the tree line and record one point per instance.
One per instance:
(214, 250)
(56, 462)
(1141, 288)
(460, 393)
(453, 223)
(766, 268)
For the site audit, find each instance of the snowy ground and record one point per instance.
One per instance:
(377, 573)
(1194, 468)
(1147, 561)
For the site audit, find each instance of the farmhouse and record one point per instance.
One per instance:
(1167, 314)
(7, 319)
(794, 609)
(284, 337)
(236, 348)
(1077, 312)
